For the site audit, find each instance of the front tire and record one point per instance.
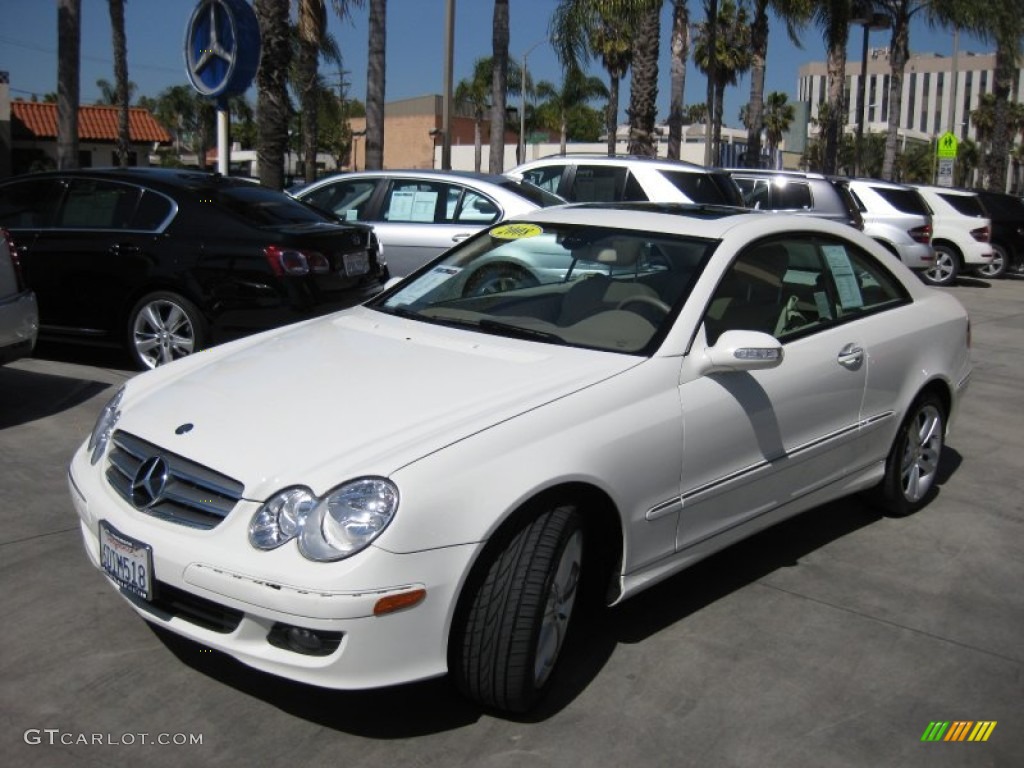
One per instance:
(518, 613)
(912, 466)
(946, 268)
(164, 326)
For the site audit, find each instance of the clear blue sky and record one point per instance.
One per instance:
(156, 28)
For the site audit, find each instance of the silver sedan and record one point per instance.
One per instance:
(418, 214)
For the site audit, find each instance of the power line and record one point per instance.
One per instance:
(97, 59)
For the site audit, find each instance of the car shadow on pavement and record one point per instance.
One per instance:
(85, 354)
(26, 396)
(434, 706)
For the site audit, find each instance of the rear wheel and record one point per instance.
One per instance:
(997, 267)
(518, 613)
(946, 267)
(164, 326)
(913, 462)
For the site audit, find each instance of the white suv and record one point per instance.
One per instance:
(604, 179)
(961, 233)
(896, 216)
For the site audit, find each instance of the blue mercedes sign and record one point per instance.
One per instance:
(222, 47)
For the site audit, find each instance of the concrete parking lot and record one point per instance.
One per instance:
(834, 639)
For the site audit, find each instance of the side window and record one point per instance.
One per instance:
(756, 192)
(152, 213)
(793, 286)
(411, 201)
(547, 178)
(92, 204)
(598, 184)
(477, 209)
(348, 200)
(793, 195)
(27, 204)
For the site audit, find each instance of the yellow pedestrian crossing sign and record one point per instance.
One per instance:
(947, 145)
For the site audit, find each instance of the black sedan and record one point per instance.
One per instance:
(168, 262)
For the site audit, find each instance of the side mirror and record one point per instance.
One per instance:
(742, 351)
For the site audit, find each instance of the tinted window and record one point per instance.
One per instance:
(792, 195)
(599, 184)
(94, 204)
(348, 200)
(906, 200)
(700, 187)
(968, 205)
(756, 192)
(27, 204)
(152, 212)
(261, 207)
(536, 195)
(794, 286)
(547, 178)
(1004, 206)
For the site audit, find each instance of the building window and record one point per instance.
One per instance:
(912, 100)
(885, 99)
(923, 125)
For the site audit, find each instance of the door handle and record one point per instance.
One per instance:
(460, 237)
(851, 356)
(124, 249)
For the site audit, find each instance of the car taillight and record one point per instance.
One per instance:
(981, 234)
(19, 276)
(292, 261)
(921, 234)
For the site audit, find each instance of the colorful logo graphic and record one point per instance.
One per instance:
(959, 730)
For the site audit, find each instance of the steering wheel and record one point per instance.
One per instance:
(649, 300)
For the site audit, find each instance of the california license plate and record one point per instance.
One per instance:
(127, 561)
(356, 263)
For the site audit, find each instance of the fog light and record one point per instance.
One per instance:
(308, 642)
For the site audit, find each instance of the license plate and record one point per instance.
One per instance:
(127, 561)
(356, 263)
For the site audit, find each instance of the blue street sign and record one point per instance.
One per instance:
(222, 47)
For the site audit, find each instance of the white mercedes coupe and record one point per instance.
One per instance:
(563, 408)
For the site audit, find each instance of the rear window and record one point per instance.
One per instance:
(905, 200)
(536, 195)
(968, 205)
(705, 187)
(1004, 207)
(262, 207)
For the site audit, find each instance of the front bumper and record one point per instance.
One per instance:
(212, 587)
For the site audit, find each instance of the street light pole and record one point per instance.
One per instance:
(869, 21)
(522, 108)
(446, 99)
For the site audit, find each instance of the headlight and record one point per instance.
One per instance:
(340, 524)
(105, 426)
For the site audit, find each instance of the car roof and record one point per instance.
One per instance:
(168, 178)
(424, 173)
(595, 157)
(785, 173)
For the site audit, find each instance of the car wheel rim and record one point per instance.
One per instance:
(994, 267)
(558, 609)
(921, 453)
(943, 269)
(162, 333)
(497, 284)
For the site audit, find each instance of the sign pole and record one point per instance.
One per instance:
(223, 138)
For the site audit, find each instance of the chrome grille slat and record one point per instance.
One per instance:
(194, 495)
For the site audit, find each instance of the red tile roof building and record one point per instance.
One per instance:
(38, 120)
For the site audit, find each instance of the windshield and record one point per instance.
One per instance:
(593, 287)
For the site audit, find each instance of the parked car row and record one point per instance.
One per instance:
(169, 262)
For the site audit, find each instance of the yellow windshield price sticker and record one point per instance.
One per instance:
(515, 231)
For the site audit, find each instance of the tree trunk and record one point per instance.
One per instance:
(564, 134)
(120, 79)
(499, 85)
(612, 115)
(712, 76)
(375, 87)
(899, 49)
(996, 162)
(680, 53)
(643, 92)
(755, 107)
(69, 37)
(312, 24)
(272, 106)
(716, 138)
(836, 116)
(477, 143)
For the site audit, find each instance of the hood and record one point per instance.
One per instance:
(356, 393)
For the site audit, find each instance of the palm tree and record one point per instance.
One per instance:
(680, 53)
(272, 105)
(833, 17)
(579, 29)
(69, 38)
(375, 86)
(312, 39)
(577, 89)
(778, 116)
(794, 13)
(499, 84)
(120, 48)
(643, 89)
(474, 94)
(730, 44)
(108, 92)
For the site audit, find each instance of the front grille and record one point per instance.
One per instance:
(193, 495)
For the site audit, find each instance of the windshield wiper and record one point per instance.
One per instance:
(518, 331)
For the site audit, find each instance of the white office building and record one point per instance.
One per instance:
(928, 88)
